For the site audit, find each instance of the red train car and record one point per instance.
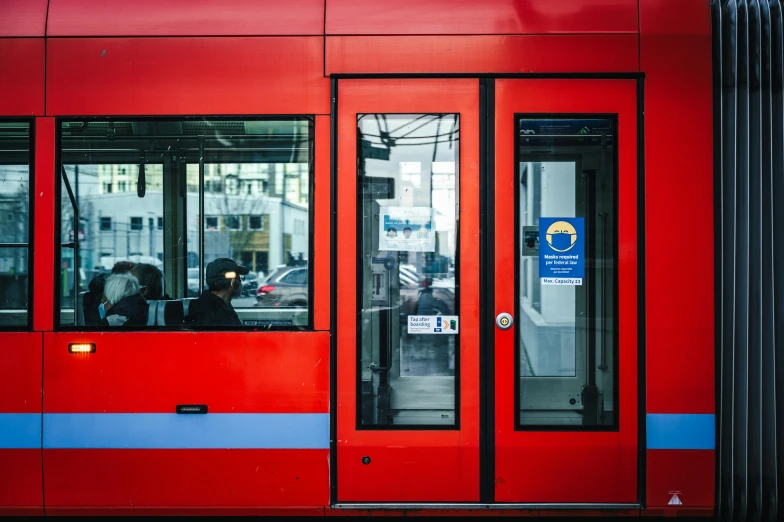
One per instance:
(467, 228)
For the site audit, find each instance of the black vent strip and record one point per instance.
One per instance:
(748, 71)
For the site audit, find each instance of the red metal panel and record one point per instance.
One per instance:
(561, 466)
(675, 54)
(43, 211)
(681, 471)
(486, 17)
(20, 373)
(237, 372)
(676, 57)
(20, 393)
(185, 17)
(21, 76)
(21, 483)
(445, 464)
(146, 76)
(321, 221)
(192, 478)
(23, 18)
(481, 54)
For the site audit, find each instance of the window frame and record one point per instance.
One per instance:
(134, 227)
(226, 222)
(311, 137)
(615, 118)
(260, 228)
(28, 325)
(216, 228)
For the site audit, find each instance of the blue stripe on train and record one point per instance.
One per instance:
(172, 431)
(20, 430)
(264, 430)
(167, 431)
(685, 431)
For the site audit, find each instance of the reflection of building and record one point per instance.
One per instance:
(548, 312)
(14, 229)
(246, 218)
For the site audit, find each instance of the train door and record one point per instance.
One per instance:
(556, 420)
(407, 291)
(565, 293)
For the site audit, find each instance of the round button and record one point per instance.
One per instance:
(504, 321)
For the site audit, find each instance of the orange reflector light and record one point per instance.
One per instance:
(81, 348)
(230, 275)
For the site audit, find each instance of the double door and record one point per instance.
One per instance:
(487, 291)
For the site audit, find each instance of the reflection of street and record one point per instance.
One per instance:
(426, 355)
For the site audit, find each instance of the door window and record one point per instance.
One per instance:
(409, 331)
(567, 272)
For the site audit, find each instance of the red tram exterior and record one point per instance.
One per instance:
(306, 419)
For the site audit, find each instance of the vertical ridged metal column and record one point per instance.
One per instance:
(748, 71)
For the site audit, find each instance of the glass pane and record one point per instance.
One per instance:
(152, 216)
(408, 180)
(252, 210)
(14, 285)
(14, 222)
(117, 228)
(567, 274)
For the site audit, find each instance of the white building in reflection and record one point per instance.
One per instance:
(247, 217)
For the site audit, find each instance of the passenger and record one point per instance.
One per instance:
(123, 303)
(122, 267)
(150, 282)
(213, 307)
(91, 302)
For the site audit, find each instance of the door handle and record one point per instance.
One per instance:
(504, 321)
(190, 409)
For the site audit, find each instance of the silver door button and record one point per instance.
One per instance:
(504, 321)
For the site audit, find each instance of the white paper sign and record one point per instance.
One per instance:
(408, 229)
(433, 324)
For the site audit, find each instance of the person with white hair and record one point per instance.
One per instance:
(123, 304)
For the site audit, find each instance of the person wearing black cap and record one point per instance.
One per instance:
(213, 307)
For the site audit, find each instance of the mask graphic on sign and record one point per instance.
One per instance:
(561, 236)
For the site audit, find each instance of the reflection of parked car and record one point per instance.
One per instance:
(288, 286)
(285, 286)
(250, 285)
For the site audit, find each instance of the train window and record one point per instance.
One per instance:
(15, 159)
(568, 230)
(407, 277)
(131, 195)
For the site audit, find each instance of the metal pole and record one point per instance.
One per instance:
(75, 243)
(284, 261)
(152, 242)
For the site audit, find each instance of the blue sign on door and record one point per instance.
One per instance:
(561, 251)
